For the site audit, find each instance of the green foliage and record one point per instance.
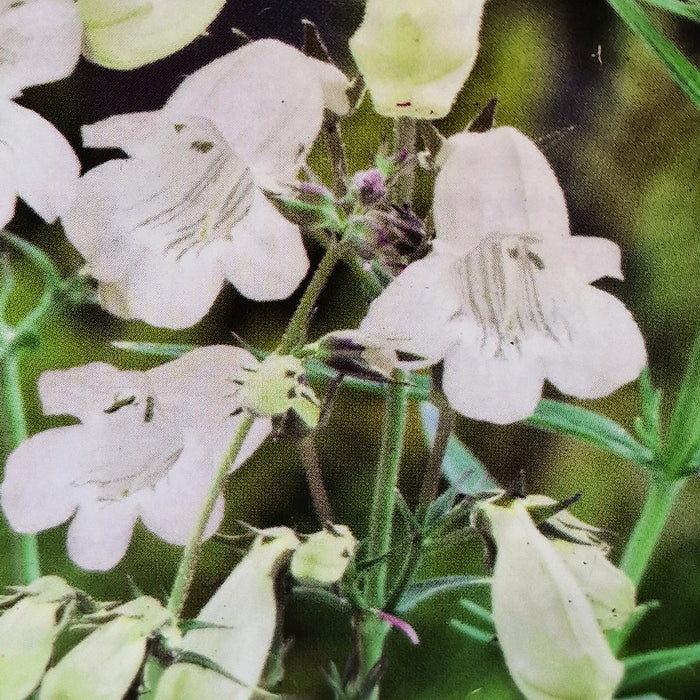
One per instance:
(677, 65)
(644, 667)
(425, 590)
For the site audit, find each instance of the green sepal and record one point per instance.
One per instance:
(425, 590)
(683, 441)
(160, 349)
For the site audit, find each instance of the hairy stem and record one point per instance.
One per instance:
(373, 631)
(296, 330)
(190, 555)
(405, 144)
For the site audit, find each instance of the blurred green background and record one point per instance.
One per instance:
(625, 143)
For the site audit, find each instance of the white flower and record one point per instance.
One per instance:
(39, 43)
(147, 447)
(244, 612)
(130, 33)
(162, 230)
(545, 621)
(505, 297)
(415, 55)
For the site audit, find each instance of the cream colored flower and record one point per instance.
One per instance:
(416, 54)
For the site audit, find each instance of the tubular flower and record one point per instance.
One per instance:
(147, 447)
(547, 608)
(416, 54)
(505, 298)
(162, 230)
(39, 43)
(132, 33)
(243, 615)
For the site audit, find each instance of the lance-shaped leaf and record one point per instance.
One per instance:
(104, 665)
(643, 667)
(246, 607)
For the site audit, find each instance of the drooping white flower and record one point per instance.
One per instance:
(415, 55)
(243, 615)
(162, 230)
(39, 43)
(546, 623)
(131, 33)
(505, 297)
(147, 447)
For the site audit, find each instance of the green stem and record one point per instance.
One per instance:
(190, 555)
(656, 511)
(296, 330)
(373, 631)
(26, 550)
(405, 140)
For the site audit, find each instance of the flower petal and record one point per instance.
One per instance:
(43, 169)
(481, 385)
(414, 310)
(171, 509)
(606, 351)
(265, 258)
(40, 42)
(36, 493)
(140, 32)
(267, 98)
(100, 532)
(496, 182)
(84, 392)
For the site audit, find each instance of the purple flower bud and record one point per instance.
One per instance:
(370, 185)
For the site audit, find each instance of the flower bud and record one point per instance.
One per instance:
(277, 385)
(324, 556)
(416, 54)
(28, 631)
(106, 662)
(126, 35)
(243, 615)
(546, 624)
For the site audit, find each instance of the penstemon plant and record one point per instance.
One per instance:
(436, 283)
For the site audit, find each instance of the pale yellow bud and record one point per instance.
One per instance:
(416, 54)
(324, 556)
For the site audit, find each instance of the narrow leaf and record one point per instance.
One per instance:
(424, 590)
(160, 349)
(677, 65)
(646, 696)
(460, 467)
(475, 633)
(589, 426)
(643, 667)
(690, 9)
(684, 431)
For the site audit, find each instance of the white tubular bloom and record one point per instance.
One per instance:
(39, 43)
(547, 608)
(162, 230)
(245, 609)
(416, 54)
(505, 298)
(131, 33)
(147, 447)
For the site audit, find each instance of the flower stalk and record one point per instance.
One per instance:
(373, 631)
(26, 551)
(190, 556)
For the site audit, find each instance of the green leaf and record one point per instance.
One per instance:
(460, 467)
(321, 596)
(424, 590)
(475, 633)
(643, 667)
(589, 426)
(646, 696)
(648, 426)
(160, 349)
(690, 9)
(677, 65)
(684, 431)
